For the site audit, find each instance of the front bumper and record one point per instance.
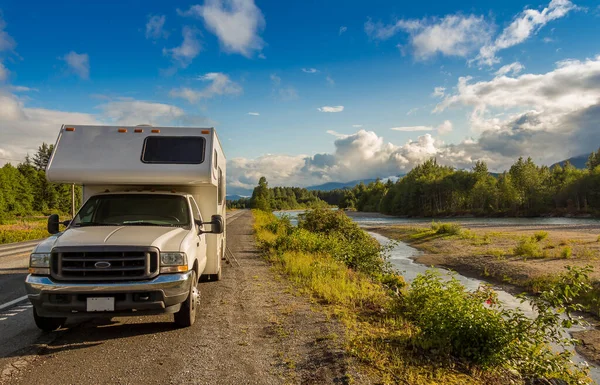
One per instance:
(163, 294)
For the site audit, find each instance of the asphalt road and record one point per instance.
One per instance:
(251, 328)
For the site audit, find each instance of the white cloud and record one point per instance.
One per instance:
(261, 56)
(220, 84)
(190, 47)
(276, 80)
(237, 23)
(412, 128)
(412, 111)
(442, 129)
(331, 109)
(79, 64)
(439, 92)
(254, 113)
(155, 27)
(310, 70)
(525, 24)
(514, 68)
(330, 80)
(357, 125)
(342, 30)
(21, 89)
(452, 35)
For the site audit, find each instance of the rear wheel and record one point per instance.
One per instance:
(186, 316)
(48, 324)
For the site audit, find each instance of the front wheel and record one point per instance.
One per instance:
(186, 316)
(48, 324)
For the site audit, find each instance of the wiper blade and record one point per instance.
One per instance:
(142, 223)
(84, 224)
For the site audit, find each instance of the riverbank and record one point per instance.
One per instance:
(489, 252)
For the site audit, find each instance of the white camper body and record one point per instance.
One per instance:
(182, 168)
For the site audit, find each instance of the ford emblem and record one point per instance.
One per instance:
(102, 265)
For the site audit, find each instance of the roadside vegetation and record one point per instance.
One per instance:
(431, 331)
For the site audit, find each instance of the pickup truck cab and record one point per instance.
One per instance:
(130, 249)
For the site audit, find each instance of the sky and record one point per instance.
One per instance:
(308, 92)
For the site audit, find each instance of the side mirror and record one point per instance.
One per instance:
(53, 224)
(217, 224)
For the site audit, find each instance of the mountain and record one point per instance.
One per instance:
(578, 161)
(338, 185)
(235, 197)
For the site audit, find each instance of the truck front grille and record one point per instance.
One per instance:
(104, 263)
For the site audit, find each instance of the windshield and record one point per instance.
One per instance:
(134, 210)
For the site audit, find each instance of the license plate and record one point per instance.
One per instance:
(100, 304)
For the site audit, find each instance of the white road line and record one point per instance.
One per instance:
(2, 319)
(13, 302)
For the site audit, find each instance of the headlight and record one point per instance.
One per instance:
(39, 260)
(39, 263)
(173, 259)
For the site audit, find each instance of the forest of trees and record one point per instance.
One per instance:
(279, 198)
(526, 189)
(430, 189)
(24, 189)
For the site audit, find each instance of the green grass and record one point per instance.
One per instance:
(23, 230)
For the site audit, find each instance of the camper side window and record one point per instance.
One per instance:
(216, 159)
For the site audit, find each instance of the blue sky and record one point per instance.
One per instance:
(532, 86)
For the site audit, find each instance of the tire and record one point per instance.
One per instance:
(186, 316)
(48, 324)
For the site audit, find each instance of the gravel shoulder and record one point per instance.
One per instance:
(251, 328)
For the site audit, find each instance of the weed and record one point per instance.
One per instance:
(528, 248)
(446, 228)
(566, 252)
(540, 235)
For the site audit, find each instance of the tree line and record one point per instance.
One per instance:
(279, 198)
(24, 189)
(431, 189)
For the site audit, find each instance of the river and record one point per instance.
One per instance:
(401, 256)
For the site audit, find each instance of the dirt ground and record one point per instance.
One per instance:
(251, 329)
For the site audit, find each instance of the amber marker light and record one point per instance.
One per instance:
(205, 131)
(70, 129)
(122, 130)
(155, 131)
(138, 130)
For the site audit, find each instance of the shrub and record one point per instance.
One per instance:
(567, 252)
(446, 228)
(528, 248)
(540, 235)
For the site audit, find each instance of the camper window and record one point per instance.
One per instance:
(173, 150)
(221, 196)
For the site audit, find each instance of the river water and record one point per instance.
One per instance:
(401, 256)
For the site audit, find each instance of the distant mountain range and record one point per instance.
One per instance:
(578, 161)
(338, 185)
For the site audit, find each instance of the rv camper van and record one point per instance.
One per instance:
(150, 227)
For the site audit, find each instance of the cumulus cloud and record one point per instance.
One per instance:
(331, 109)
(525, 24)
(155, 27)
(514, 68)
(442, 129)
(254, 113)
(190, 47)
(79, 64)
(412, 111)
(342, 30)
(7, 43)
(468, 36)
(236, 23)
(330, 80)
(220, 84)
(438, 92)
(25, 128)
(310, 70)
(452, 35)
(4, 72)
(357, 125)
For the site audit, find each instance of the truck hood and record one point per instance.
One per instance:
(163, 238)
